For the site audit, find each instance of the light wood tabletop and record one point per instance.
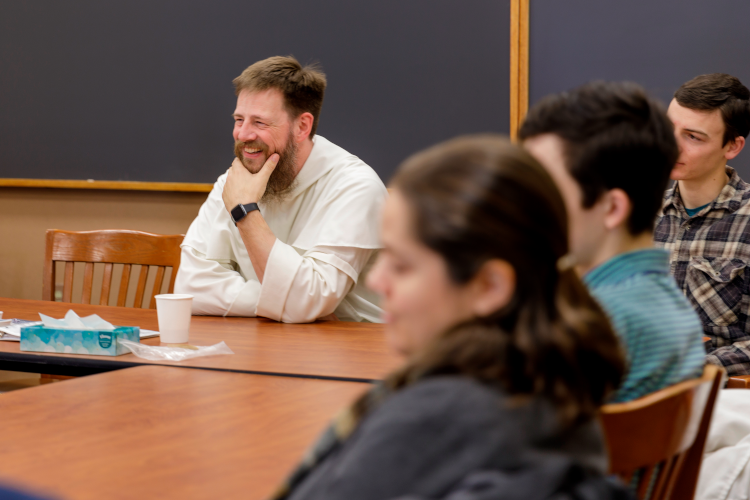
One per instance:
(161, 432)
(331, 349)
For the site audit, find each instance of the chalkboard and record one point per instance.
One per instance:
(658, 44)
(140, 90)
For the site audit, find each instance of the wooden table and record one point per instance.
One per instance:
(332, 350)
(160, 432)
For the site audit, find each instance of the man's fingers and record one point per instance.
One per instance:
(269, 165)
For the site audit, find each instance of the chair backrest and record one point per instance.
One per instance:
(738, 382)
(110, 247)
(687, 480)
(653, 438)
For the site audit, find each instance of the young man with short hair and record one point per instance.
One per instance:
(703, 221)
(610, 149)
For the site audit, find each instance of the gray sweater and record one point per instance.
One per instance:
(425, 439)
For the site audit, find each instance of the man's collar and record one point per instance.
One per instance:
(671, 198)
(730, 197)
(625, 265)
(315, 166)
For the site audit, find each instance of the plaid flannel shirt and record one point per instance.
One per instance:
(708, 256)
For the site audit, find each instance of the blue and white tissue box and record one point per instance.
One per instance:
(75, 335)
(40, 338)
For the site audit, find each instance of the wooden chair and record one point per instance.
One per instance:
(659, 439)
(110, 247)
(738, 382)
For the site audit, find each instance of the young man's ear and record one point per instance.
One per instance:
(617, 208)
(735, 146)
(494, 286)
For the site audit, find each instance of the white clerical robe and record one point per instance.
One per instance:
(725, 472)
(327, 234)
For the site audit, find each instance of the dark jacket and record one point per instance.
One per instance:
(441, 435)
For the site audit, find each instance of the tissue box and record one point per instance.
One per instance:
(69, 341)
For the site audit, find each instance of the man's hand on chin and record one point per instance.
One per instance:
(242, 187)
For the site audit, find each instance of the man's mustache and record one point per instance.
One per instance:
(256, 144)
(239, 146)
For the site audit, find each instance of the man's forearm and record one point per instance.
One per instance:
(217, 290)
(258, 239)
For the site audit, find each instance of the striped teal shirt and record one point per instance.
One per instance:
(661, 333)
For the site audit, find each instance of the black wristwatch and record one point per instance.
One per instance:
(240, 211)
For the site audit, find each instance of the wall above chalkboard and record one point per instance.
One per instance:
(114, 90)
(657, 44)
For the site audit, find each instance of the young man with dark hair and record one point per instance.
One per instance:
(610, 149)
(291, 229)
(703, 221)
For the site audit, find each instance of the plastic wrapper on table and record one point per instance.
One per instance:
(164, 353)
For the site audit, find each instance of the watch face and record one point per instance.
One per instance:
(238, 213)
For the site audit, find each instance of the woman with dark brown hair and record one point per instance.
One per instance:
(507, 357)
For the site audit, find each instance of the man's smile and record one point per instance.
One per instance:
(251, 152)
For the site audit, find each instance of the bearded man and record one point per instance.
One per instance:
(290, 230)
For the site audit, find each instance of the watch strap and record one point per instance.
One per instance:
(240, 211)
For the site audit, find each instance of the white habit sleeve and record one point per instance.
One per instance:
(217, 290)
(211, 263)
(301, 288)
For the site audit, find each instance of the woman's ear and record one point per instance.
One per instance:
(493, 287)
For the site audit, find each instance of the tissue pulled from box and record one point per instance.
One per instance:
(74, 322)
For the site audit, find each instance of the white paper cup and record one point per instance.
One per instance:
(174, 311)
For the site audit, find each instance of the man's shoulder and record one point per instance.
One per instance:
(348, 172)
(734, 214)
(739, 193)
(348, 166)
(638, 290)
(622, 299)
(733, 202)
(743, 201)
(645, 303)
(219, 184)
(221, 179)
(215, 194)
(736, 181)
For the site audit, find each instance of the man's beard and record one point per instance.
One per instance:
(281, 182)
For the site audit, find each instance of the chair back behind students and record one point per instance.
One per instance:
(656, 442)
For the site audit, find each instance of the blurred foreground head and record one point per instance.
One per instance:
(474, 278)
